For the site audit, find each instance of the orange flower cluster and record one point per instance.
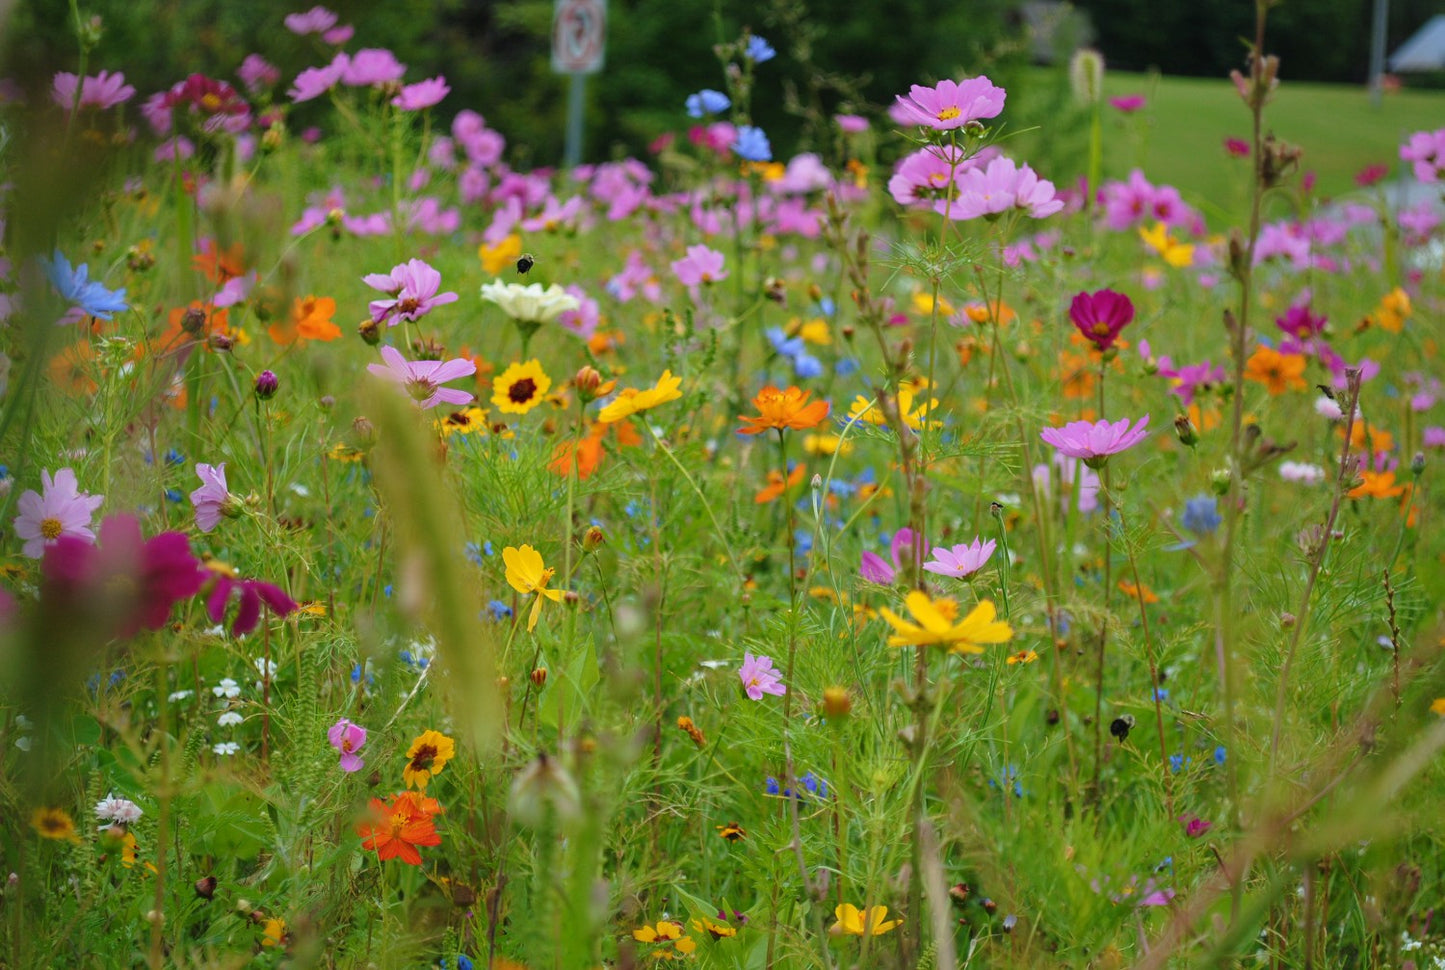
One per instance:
(396, 829)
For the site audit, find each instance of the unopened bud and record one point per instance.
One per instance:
(836, 702)
(1220, 481)
(369, 332)
(362, 427)
(1184, 428)
(221, 342)
(267, 385)
(193, 321)
(544, 787)
(587, 381)
(1287, 621)
(206, 887)
(1417, 464)
(593, 539)
(539, 676)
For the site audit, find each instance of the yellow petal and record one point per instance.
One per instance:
(928, 615)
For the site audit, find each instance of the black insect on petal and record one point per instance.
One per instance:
(1121, 726)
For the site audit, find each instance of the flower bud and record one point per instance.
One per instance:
(539, 676)
(544, 788)
(266, 385)
(362, 427)
(836, 702)
(370, 332)
(1417, 464)
(193, 321)
(1186, 431)
(1220, 481)
(206, 887)
(593, 539)
(221, 342)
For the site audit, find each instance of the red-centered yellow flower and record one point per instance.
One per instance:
(520, 387)
(784, 409)
(1276, 371)
(1022, 657)
(856, 922)
(273, 932)
(527, 575)
(672, 944)
(713, 928)
(54, 823)
(426, 757)
(394, 831)
(936, 625)
(631, 400)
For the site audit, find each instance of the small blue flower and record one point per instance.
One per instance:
(752, 144)
(1201, 515)
(846, 367)
(772, 786)
(1177, 763)
(1220, 755)
(474, 553)
(174, 495)
(174, 457)
(760, 50)
(1161, 694)
(806, 366)
(74, 284)
(499, 610)
(386, 591)
(815, 785)
(783, 345)
(827, 307)
(707, 102)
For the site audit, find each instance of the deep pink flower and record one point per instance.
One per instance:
(701, 265)
(371, 66)
(251, 593)
(422, 379)
(950, 104)
(1194, 826)
(1128, 103)
(257, 73)
(1371, 174)
(1094, 442)
(1299, 322)
(1237, 147)
(127, 583)
(213, 499)
(347, 739)
(1425, 151)
(213, 105)
(60, 509)
(104, 90)
(875, 569)
(759, 677)
(422, 94)
(413, 289)
(962, 560)
(314, 21)
(1101, 316)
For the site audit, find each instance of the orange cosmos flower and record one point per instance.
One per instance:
(394, 831)
(777, 484)
(220, 265)
(1276, 371)
(310, 320)
(784, 409)
(177, 336)
(1377, 485)
(1366, 437)
(1141, 592)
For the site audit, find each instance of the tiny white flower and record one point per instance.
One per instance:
(227, 688)
(180, 695)
(300, 489)
(23, 743)
(226, 748)
(230, 719)
(264, 667)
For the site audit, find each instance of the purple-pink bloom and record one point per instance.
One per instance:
(1094, 442)
(992, 191)
(422, 379)
(701, 265)
(1425, 151)
(961, 560)
(413, 289)
(1236, 147)
(257, 73)
(950, 104)
(316, 81)
(252, 593)
(422, 94)
(1433, 437)
(1299, 322)
(314, 21)
(1194, 826)
(213, 499)
(759, 677)
(1101, 316)
(347, 739)
(60, 509)
(1128, 103)
(102, 91)
(851, 124)
(877, 570)
(371, 66)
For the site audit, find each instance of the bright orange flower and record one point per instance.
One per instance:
(175, 337)
(1368, 438)
(394, 831)
(588, 451)
(1141, 592)
(777, 484)
(1377, 485)
(784, 409)
(220, 265)
(1276, 371)
(310, 320)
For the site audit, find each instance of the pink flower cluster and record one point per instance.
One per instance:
(1425, 151)
(1136, 200)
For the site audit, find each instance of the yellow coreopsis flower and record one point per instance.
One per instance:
(936, 625)
(864, 410)
(527, 575)
(426, 757)
(1175, 253)
(499, 256)
(631, 400)
(856, 922)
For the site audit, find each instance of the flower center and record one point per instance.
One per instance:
(522, 391)
(210, 101)
(422, 760)
(409, 305)
(420, 388)
(949, 113)
(51, 528)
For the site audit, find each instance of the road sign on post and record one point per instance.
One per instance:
(579, 39)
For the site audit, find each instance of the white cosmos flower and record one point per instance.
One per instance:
(226, 748)
(120, 810)
(530, 304)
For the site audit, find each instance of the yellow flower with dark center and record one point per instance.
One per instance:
(426, 757)
(344, 452)
(465, 421)
(672, 944)
(713, 928)
(54, 823)
(527, 574)
(936, 625)
(632, 400)
(1022, 657)
(856, 922)
(732, 831)
(273, 932)
(520, 387)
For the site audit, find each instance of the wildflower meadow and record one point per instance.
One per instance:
(895, 555)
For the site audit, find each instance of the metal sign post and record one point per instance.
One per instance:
(579, 40)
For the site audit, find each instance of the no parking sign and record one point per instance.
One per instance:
(579, 36)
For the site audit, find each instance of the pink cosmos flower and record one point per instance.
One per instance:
(413, 289)
(962, 560)
(257, 73)
(759, 677)
(990, 192)
(1101, 316)
(1094, 442)
(701, 265)
(925, 177)
(347, 739)
(423, 94)
(950, 104)
(371, 66)
(104, 90)
(1371, 174)
(1299, 322)
(1068, 470)
(1425, 151)
(251, 593)
(61, 509)
(316, 81)
(422, 379)
(876, 570)
(1128, 104)
(1433, 437)
(851, 124)
(314, 21)
(213, 499)
(1236, 147)
(337, 36)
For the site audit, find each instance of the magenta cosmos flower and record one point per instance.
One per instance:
(423, 94)
(962, 560)
(759, 677)
(412, 287)
(60, 509)
(422, 379)
(876, 570)
(101, 91)
(1094, 442)
(128, 582)
(347, 739)
(213, 499)
(1128, 103)
(251, 593)
(1100, 316)
(370, 67)
(701, 265)
(950, 104)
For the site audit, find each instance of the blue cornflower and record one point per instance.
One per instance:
(760, 50)
(1220, 755)
(772, 786)
(1177, 762)
(1201, 515)
(499, 610)
(474, 553)
(826, 306)
(1160, 694)
(815, 785)
(174, 457)
(846, 367)
(173, 495)
(783, 345)
(752, 144)
(75, 285)
(707, 102)
(1009, 777)
(807, 366)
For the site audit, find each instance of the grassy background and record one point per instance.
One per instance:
(1178, 137)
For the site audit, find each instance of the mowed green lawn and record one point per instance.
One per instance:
(1179, 136)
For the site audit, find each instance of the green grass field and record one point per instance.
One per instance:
(1179, 136)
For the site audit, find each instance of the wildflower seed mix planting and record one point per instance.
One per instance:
(857, 544)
